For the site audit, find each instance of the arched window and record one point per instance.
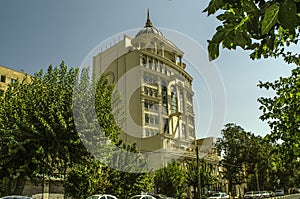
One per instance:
(174, 107)
(164, 96)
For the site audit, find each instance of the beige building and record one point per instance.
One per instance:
(8, 76)
(149, 72)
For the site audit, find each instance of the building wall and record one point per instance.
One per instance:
(8, 76)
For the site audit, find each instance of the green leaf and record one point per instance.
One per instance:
(288, 14)
(270, 18)
(213, 51)
(249, 6)
(213, 6)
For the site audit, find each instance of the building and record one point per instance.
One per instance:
(150, 73)
(8, 76)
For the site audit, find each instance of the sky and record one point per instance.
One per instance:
(37, 33)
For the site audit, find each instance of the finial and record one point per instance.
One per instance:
(148, 22)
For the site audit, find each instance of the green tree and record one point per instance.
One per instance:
(37, 130)
(44, 133)
(170, 180)
(204, 172)
(282, 112)
(86, 179)
(98, 121)
(265, 27)
(233, 146)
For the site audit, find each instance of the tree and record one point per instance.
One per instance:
(233, 146)
(265, 27)
(170, 180)
(38, 136)
(98, 118)
(86, 179)
(204, 171)
(282, 112)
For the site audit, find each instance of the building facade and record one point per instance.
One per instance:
(149, 72)
(8, 76)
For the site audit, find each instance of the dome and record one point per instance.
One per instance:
(149, 29)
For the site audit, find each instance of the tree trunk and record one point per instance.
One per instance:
(20, 185)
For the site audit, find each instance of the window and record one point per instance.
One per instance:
(189, 98)
(143, 60)
(150, 79)
(147, 118)
(181, 101)
(191, 132)
(150, 64)
(13, 80)
(164, 96)
(155, 65)
(166, 125)
(152, 92)
(183, 130)
(150, 105)
(151, 119)
(174, 107)
(3, 78)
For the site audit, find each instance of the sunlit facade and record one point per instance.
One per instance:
(149, 72)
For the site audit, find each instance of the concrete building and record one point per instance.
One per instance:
(8, 76)
(150, 73)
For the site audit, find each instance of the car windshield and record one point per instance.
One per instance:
(248, 193)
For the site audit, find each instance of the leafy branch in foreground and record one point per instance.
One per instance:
(267, 28)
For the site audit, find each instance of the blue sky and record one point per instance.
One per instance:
(36, 33)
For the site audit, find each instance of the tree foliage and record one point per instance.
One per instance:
(37, 131)
(233, 146)
(244, 157)
(265, 27)
(86, 179)
(282, 112)
(170, 180)
(203, 173)
(43, 134)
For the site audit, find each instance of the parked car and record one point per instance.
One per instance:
(258, 194)
(295, 190)
(265, 194)
(16, 197)
(249, 195)
(210, 193)
(219, 195)
(279, 192)
(271, 193)
(102, 196)
(143, 197)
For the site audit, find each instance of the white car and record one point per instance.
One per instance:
(142, 197)
(219, 195)
(102, 196)
(265, 194)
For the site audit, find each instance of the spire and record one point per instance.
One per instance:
(148, 22)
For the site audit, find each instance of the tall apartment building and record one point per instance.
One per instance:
(149, 72)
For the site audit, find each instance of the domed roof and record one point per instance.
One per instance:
(148, 28)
